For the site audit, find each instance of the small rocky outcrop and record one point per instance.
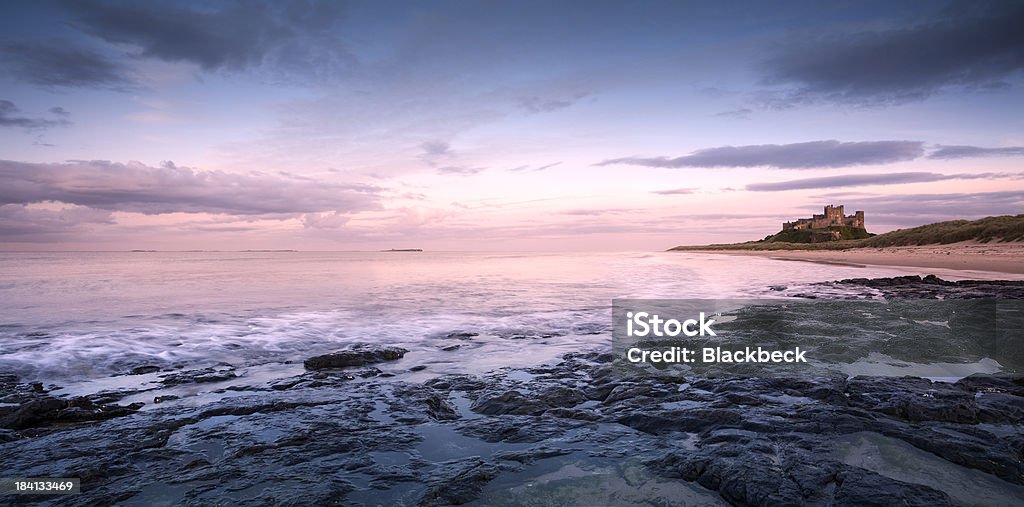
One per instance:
(357, 355)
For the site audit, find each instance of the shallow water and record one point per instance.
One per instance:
(76, 317)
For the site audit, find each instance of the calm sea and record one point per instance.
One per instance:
(78, 317)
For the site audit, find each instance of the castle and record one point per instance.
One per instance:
(833, 217)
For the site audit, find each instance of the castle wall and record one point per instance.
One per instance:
(834, 216)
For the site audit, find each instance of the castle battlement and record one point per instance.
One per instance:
(832, 217)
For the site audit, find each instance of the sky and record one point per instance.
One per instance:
(498, 125)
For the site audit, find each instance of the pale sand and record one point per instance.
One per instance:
(997, 257)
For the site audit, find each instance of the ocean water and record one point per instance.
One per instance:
(84, 318)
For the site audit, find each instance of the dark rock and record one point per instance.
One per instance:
(461, 335)
(418, 367)
(201, 376)
(142, 370)
(933, 287)
(45, 411)
(460, 482)
(357, 355)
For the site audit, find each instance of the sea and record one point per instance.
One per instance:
(79, 321)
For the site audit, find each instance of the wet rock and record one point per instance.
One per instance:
(459, 483)
(142, 370)
(45, 411)
(200, 376)
(461, 335)
(508, 402)
(750, 440)
(531, 455)
(517, 429)
(358, 355)
(418, 367)
(933, 287)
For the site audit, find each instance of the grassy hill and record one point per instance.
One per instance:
(1004, 228)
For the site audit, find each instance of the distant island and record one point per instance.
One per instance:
(403, 250)
(833, 231)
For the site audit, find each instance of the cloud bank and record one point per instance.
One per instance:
(225, 35)
(972, 45)
(953, 152)
(134, 187)
(808, 155)
(63, 63)
(855, 180)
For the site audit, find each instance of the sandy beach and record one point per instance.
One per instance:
(970, 256)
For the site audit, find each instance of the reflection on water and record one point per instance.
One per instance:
(903, 462)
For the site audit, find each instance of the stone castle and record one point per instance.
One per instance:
(833, 217)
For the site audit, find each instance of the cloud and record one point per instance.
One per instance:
(951, 152)
(463, 170)
(599, 212)
(547, 105)
(918, 209)
(531, 168)
(854, 180)
(232, 35)
(63, 63)
(741, 113)
(139, 188)
(675, 191)
(330, 220)
(7, 118)
(972, 45)
(21, 222)
(436, 149)
(808, 155)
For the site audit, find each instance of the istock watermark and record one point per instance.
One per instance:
(929, 338)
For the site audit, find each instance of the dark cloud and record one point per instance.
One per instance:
(975, 44)
(854, 180)
(139, 188)
(675, 191)
(809, 155)
(463, 170)
(224, 35)
(950, 152)
(62, 63)
(8, 119)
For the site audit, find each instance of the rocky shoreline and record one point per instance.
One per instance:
(585, 430)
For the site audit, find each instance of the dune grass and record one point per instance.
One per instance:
(1006, 228)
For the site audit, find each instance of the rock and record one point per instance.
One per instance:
(45, 411)
(933, 287)
(201, 376)
(357, 355)
(460, 482)
(418, 367)
(142, 370)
